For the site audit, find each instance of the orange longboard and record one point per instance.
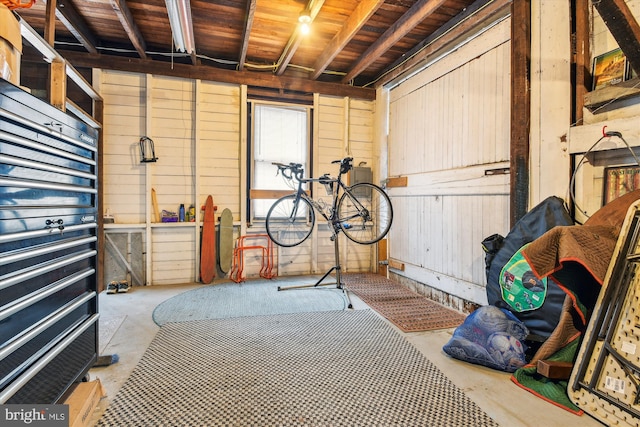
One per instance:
(208, 246)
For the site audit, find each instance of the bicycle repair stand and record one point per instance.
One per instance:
(337, 268)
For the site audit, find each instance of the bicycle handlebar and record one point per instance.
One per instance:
(346, 164)
(295, 170)
(290, 171)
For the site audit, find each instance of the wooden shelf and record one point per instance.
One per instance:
(113, 226)
(620, 91)
(173, 224)
(152, 225)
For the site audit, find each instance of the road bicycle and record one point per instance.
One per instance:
(361, 211)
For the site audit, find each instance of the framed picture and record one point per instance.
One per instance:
(609, 68)
(619, 181)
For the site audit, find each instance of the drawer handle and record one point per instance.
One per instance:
(59, 222)
(51, 125)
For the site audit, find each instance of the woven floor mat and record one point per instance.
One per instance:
(403, 307)
(250, 298)
(344, 368)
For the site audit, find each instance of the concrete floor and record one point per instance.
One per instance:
(491, 390)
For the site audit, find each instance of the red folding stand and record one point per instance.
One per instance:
(266, 270)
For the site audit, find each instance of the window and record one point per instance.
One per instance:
(280, 134)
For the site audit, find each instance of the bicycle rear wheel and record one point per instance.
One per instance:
(365, 213)
(289, 223)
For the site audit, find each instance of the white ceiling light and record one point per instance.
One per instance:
(181, 24)
(304, 19)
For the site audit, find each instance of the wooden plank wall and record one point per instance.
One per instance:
(196, 128)
(344, 129)
(124, 124)
(359, 258)
(448, 131)
(219, 145)
(172, 130)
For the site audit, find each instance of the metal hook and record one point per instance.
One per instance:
(146, 144)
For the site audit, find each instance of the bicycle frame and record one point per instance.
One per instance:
(339, 187)
(354, 209)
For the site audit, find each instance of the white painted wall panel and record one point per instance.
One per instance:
(219, 149)
(172, 123)
(172, 119)
(172, 255)
(448, 126)
(295, 260)
(123, 126)
(345, 129)
(359, 258)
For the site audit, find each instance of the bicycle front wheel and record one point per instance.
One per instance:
(288, 222)
(365, 213)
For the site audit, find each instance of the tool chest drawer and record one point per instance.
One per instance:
(48, 249)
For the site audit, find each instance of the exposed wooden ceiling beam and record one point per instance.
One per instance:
(248, 24)
(358, 18)
(296, 38)
(473, 16)
(70, 18)
(415, 15)
(623, 27)
(129, 25)
(50, 22)
(205, 72)
(263, 93)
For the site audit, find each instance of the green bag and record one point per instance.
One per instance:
(521, 289)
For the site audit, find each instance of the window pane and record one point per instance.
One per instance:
(279, 135)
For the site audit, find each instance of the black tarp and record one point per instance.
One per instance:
(549, 213)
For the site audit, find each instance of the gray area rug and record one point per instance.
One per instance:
(251, 298)
(342, 368)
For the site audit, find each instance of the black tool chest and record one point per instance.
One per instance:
(48, 249)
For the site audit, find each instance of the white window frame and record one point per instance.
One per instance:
(259, 207)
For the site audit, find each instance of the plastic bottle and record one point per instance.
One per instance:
(181, 213)
(192, 213)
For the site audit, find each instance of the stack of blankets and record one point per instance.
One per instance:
(570, 260)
